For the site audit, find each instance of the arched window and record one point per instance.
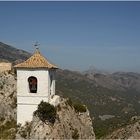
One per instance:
(32, 84)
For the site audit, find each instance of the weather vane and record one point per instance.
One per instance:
(36, 45)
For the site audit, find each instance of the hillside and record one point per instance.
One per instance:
(113, 99)
(110, 108)
(131, 131)
(11, 54)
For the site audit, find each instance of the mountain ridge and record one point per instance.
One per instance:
(12, 54)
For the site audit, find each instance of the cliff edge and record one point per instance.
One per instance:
(69, 124)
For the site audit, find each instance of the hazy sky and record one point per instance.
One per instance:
(76, 35)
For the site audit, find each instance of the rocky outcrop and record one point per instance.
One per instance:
(69, 124)
(8, 95)
(7, 105)
(131, 131)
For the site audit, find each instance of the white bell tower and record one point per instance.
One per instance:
(35, 82)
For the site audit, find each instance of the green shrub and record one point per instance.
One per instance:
(5, 130)
(46, 112)
(79, 107)
(75, 134)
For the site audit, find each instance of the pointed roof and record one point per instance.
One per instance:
(36, 61)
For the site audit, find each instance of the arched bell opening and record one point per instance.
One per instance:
(32, 84)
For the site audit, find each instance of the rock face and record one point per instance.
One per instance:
(7, 105)
(8, 95)
(68, 125)
(131, 131)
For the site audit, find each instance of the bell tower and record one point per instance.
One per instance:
(35, 82)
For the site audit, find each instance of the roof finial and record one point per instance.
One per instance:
(36, 46)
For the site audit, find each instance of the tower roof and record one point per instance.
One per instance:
(36, 61)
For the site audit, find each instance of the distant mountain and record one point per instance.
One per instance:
(12, 54)
(93, 70)
(117, 81)
(116, 95)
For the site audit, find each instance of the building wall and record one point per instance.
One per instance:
(26, 107)
(42, 82)
(5, 66)
(52, 85)
(27, 102)
(25, 113)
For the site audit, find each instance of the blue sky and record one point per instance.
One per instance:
(76, 35)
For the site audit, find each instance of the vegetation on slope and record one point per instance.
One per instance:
(8, 129)
(100, 101)
(46, 112)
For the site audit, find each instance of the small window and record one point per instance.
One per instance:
(32, 84)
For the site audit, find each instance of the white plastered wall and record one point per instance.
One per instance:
(42, 82)
(52, 86)
(27, 102)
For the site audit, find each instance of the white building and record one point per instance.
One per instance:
(35, 82)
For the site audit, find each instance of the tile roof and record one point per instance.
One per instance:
(36, 61)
